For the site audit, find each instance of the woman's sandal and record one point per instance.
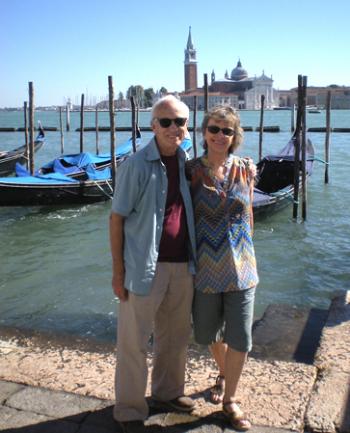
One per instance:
(217, 391)
(237, 418)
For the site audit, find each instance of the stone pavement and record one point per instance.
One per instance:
(297, 380)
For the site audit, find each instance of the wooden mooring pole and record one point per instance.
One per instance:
(97, 138)
(303, 151)
(31, 128)
(61, 131)
(297, 150)
(206, 94)
(194, 133)
(261, 127)
(25, 112)
(112, 129)
(133, 123)
(82, 124)
(292, 118)
(328, 133)
(67, 117)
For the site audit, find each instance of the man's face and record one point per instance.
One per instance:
(169, 137)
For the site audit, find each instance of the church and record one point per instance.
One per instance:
(237, 89)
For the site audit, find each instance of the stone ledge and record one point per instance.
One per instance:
(329, 407)
(328, 410)
(54, 404)
(13, 418)
(333, 351)
(273, 393)
(7, 389)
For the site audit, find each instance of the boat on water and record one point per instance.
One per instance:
(9, 158)
(93, 184)
(275, 178)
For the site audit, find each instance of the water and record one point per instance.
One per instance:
(55, 262)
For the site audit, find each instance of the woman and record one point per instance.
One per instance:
(226, 276)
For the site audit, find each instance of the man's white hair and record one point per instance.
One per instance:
(170, 99)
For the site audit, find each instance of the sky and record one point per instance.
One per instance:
(67, 48)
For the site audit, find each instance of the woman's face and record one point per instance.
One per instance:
(219, 136)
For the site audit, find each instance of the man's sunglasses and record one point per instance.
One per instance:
(165, 122)
(213, 129)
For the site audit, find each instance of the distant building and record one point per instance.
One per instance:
(238, 89)
(317, 96)
(190, 65)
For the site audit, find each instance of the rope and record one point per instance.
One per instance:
(316, 158)
(104, 192)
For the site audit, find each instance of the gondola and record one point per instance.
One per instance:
(75, 165)
(55, 188)
(8, 159)
(275, 178)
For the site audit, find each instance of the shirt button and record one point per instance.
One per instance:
(163, 192)
(160, 210)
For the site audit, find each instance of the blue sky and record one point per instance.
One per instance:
(70, 47)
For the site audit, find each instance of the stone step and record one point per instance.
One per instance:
(288, 333)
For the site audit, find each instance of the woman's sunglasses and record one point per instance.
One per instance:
(165, 122)
(213, 129)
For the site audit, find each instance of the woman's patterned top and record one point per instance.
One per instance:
(222, 210)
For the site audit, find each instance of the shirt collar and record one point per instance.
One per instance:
(152, 152)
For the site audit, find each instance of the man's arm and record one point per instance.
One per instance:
(116, 236)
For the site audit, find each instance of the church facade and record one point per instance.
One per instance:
(237, 89)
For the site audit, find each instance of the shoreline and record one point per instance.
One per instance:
(274, 392)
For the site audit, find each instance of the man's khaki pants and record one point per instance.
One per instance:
(167, 312)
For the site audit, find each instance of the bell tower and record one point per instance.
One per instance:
(190, 65)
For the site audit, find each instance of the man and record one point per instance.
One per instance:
(153, 250)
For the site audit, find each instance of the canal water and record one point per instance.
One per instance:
(55, 265)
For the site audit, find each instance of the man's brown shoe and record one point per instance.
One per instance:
(180, 404)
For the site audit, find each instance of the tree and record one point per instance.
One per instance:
(138, 93)
(120, 100)
(163, 91)
(149, 97)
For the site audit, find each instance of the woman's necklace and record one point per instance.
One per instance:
(221, 182)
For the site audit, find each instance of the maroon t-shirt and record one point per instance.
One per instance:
(174, 240)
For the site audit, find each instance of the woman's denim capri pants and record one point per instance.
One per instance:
(226, 317)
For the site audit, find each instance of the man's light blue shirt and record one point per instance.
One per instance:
(140, 197)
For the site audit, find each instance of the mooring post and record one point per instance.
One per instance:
(261, 127)
(328, 133)
(194, 133)
(25, 112)
(31, 128)
(133, 123)
(61, 131)
(292, 118)
(297, 150)
(206, 95)
(137, 116)
(303, 151)
(82, 124)
(96, 124)
(67, 117)
(112, 129)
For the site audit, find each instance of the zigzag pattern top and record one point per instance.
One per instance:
(225, 251)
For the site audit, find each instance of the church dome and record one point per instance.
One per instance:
(238, 73)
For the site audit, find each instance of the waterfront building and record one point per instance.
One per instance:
(190, 65)
(317, 96)
(236, 89)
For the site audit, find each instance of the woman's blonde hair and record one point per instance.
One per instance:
(229, 114)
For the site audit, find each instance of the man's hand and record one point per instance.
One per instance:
(118, 288)
(251, 167)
